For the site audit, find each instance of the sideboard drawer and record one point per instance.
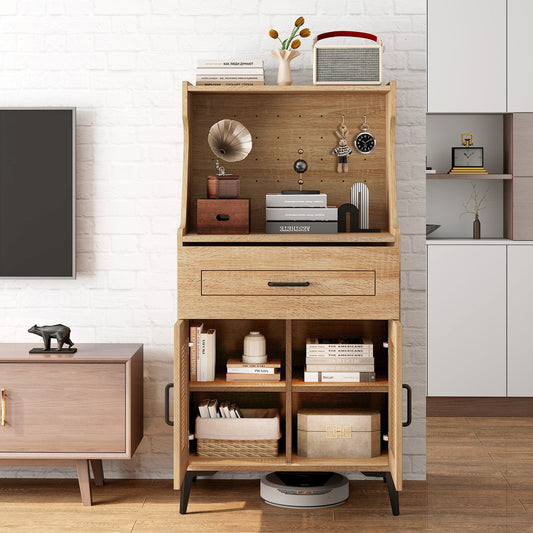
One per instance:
(255, 281)
(64, 408)
(288, 282)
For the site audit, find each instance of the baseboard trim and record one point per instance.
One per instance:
(469, 406)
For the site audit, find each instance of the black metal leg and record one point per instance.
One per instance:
(185, 491)
(393, 494)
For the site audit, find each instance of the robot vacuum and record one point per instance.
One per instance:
(304, 490)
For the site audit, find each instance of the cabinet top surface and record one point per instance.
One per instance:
(87, 353)
(276, 89)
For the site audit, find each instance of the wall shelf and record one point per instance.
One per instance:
(469, 176)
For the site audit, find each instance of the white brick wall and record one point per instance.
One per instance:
(121, 63)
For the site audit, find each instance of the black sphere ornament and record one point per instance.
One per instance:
(300, 166)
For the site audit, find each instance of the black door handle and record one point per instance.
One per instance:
(167, 404)
(288, 284)
(409, 405)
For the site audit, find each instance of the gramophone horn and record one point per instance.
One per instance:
(229, 140)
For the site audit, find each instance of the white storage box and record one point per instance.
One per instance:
(257, 434)
(331, 433)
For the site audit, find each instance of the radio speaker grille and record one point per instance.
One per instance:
(348, 65)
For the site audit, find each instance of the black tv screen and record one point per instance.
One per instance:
(37, 192)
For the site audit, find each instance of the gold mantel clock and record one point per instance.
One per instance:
(467, 159)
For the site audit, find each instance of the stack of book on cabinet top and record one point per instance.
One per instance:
(229, 72)
(239, 371)
(339, 360)
(300, 213)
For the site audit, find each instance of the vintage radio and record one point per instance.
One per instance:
(348, 64)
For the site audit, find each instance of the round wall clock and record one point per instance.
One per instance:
(365, 142)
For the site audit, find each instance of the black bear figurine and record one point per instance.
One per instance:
(59, 332)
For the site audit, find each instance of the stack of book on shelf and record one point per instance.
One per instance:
(215, 409)
(202, 353)
(239, 371)
(300, 213)
(218, 72)
(339, 360)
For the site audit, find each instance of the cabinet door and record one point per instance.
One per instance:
(466, 56)
(519, 46)
(519, 320)
(466, 320)
(64, 408)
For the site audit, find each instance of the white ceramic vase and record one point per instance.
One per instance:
(254, 348)
(284, 70)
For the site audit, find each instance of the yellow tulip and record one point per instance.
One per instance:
(305, 32)
(299, 21)
(273, 34)
(296, 43)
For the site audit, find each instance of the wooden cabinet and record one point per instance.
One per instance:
(519, 320)
(479, 314)
(519, 65)
(71, 407)
(518, 192)
(466, 320)
(467, 56)
(349, 282)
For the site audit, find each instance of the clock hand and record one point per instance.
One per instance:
(468, 156)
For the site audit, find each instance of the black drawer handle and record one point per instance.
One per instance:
(288, 284)
(167, 404)
(409, 405)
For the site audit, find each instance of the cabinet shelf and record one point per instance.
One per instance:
(469, 176)
(373, 464)
(334, 238)
(220, 384)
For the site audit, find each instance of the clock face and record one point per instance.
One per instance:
(467, 157)
(365, 142)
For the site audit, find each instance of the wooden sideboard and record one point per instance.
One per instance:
(290, 286)
(71, 408)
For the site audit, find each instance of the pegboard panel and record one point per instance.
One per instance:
(280, 123)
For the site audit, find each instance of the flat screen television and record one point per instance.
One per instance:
(37, 192)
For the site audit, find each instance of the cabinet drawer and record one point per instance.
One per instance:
(289, 282)
(64, 408)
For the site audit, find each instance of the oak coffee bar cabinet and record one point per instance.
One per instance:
(71, 409)
(290, 286)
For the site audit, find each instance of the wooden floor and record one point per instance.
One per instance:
(480, 478)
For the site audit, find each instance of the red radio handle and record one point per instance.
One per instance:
(346, 34)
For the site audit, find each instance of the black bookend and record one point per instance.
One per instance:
(344, 209)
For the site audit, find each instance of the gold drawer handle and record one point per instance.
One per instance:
(3, 420)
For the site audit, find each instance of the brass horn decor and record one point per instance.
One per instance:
(229, 140)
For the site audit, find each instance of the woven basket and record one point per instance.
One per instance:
(237, 448)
